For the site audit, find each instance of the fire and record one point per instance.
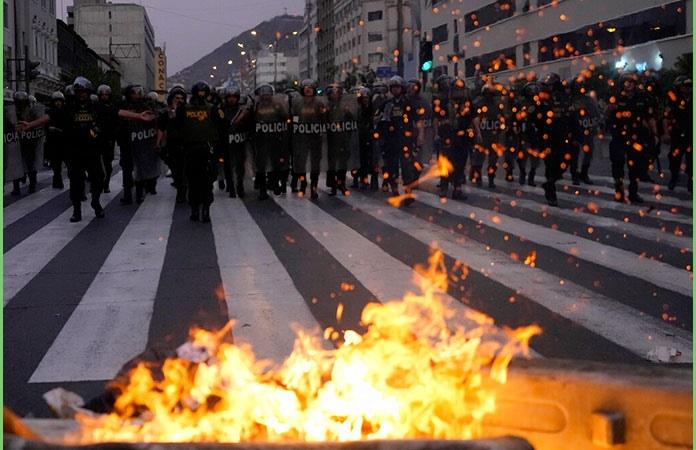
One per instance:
(442, 169)
(411, 375)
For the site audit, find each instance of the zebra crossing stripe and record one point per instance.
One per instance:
(655, 272)
(379, 272)
(259, 292)
(26, 205)
(594, 220)
(25, 260)
(110, 325)
(664, 201)
(614, 321)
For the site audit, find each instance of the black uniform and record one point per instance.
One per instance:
(369, 164)
(174, 151)
(270, 130)
(456, 134)
(679, 120)
(492, 127)
(309, 119)
(557, 121)
(199, 134)
(589, 119)
(627, 117)
(30, 141)
(529, 140)
(57, 142)
(341, 128)
(107, 123)
(398, 133)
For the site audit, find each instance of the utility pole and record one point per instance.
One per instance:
(400, 36)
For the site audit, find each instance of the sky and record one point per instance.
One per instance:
(192, 28)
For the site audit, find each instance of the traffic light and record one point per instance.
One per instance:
(426, 56)
(32, 70)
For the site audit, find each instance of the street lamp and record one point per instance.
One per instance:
(253, 32)
(242, 53)
(229, 62)
(240, 45)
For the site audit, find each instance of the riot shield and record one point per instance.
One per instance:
(12, 156)
(308, 126)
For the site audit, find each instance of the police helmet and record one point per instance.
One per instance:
(396, 80)
(133, 92)
(58, 96)
(488, 90)
(153, 96)
(264, 89)
(364, 92)
(232, 91)
(20, 97)
(415, 85)
(82, 84)
(682, 80)
(308, 83)
(103, 89)
(69, 91)
(200, 89)
(334, 88)
(32, 99)
(380, 88)
(94, 98)
(531, 90)
(553, 81)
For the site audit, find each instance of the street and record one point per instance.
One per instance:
(605, 281)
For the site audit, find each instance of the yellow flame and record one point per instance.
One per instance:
(411, 375)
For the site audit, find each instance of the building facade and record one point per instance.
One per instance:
(122, 31)
(275, 67)
(508, 38)
(30, 31)
(76, 58)
(308, 42)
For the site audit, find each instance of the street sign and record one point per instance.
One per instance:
(386, 72)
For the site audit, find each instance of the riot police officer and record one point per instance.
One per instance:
(398, 122)
(341, 127)
(380, 96)
(559, 129)
(424, 113)
(309, 117)
(233, 121)
(369, 159)
(171, 135)
(199, 135)
(530, 142)
(270, 130)
(107, 115)
(678, 124)
(489, 111)
(587, 113)
(56, 143)
(30, 143)
(628, 117)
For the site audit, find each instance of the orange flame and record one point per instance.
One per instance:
(411, 375)
(442, 169)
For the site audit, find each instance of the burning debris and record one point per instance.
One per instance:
(410, 376)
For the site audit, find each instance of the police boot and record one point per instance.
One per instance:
(32, 182)
(374, 181)
(77, 212)
(240, 189)
(491, 179)
(523, 177)
(550, 193)
(633, 192)
(444, 188)
(584, 177)
(293, 182)
(274, 181)
(331, 181)
(205, 214)
(57, 182)
(180, 195)
(356, 178)
(342, 183)
(509, 177)
(195, 213)
(619, 191)
(458, 194)
(673, 181)
(314, 186)
(530, 178)
(139, 192)
(107, 181)
(98, 210)
(475, 176)
(261, 179)
(284, 181)
(15, 188)
(303, 184)
(231, 191)
(127, 198)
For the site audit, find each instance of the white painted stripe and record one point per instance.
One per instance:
(612, 205)
(27, 204)
(613, 320)
(587, 219)
(383, 275)
(622, 261)
(27, 258)
(609, 181)
(260, 295)
(664, 201)
(110, 325)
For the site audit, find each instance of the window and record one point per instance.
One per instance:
(374, 37)
(52, 6)
(374, 15)
(455, 25)
(43, 4)
(5, 17)
(504, 59)
(526, 56)
(374, 58)
(440, 34)
(495, 12)
(648, 25)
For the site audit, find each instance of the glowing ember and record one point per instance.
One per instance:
(409, 376)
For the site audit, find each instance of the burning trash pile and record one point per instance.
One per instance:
(409, 376)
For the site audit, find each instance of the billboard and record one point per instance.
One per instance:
(160, 72)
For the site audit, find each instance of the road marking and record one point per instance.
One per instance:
(27, 258)
(619, 260)
(259, 292)
(594, 220)
(110, 325)
(26, 205)
(382, 274)
(663, 202)
(613, 320)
